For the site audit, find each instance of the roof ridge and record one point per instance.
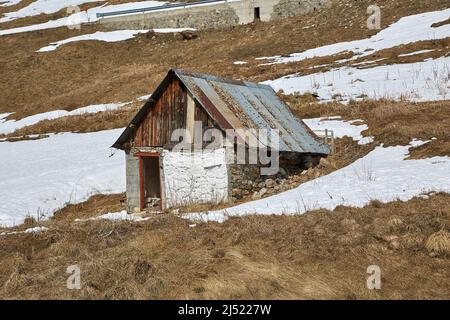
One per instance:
(181, 72)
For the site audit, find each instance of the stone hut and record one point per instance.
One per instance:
(196, 112)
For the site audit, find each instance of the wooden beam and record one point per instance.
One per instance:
(190, 116)
(141, 184)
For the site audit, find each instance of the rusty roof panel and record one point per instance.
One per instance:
(251, 105)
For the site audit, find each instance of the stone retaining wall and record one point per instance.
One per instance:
(217, 15)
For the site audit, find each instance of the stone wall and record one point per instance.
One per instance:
(207, 177)
(197, 177)
(290, 8)
(247, 181)
(198, 18)
(217, 15)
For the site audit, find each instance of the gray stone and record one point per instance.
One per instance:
(270, 183)
(262, 192)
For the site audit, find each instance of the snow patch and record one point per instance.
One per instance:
(9, 3)
(118, 216)
(108, 36)
(340, 128)
(42, 7)
(39, 177)
(408, 29)
(10, 126)
(145, 98)
(414, 53)
(111, 36)
(29, 230)
(172, 30)
(81, 17)
(382, 175)
(421, 81)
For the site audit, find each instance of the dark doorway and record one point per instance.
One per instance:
(257, 13)
(151, 182)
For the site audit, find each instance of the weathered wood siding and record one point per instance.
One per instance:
(202, 116)
(168, 114)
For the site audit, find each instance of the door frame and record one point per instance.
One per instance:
(141, 156)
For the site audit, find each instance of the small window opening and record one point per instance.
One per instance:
(257, 14)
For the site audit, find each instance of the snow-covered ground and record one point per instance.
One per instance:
(29, 230)
(415, 53)
(43, 7)
(118, 216)
(62, 22)
(38, 177)
(8, 3)
(340, 128)
(79, 18)
(382, 175)
(406, 30)
(108, 36)
(427, 80)
(421, 81)
(13, 125)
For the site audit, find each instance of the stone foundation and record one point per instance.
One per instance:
(246, 179)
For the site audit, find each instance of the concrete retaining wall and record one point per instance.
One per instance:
(216, 15)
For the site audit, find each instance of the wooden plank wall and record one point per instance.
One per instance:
(168, 114)
(203, 116)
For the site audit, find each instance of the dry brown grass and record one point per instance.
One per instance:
(16, 7)
(42, 18)
(318, 255)
(89, 72)
(14, 138)
(323, 64)
(94, 206)
(89, 122)
(391, 123)
(439, 243)
(441, 23)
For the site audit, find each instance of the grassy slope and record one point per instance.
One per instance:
(321, 254)
(84, 73)
(318, 255)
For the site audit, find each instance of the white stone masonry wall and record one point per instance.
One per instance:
(197, 177)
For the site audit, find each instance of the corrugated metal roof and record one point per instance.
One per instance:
(251, 105)
(240, 105)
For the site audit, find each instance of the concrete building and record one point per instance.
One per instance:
(199, 110)
(211, 13)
